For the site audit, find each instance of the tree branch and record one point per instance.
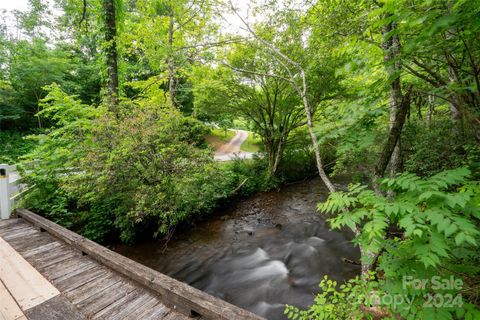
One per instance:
(271, 75)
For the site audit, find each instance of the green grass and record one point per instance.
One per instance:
(252, 144)
(223, 135)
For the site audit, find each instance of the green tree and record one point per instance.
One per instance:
(32, 66)
(168, 36)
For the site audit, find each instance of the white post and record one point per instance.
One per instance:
(5, 206)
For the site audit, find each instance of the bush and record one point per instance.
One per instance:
(423, 228)
(297, 164)
(56, 154)
(193, 131)
(13, 146)
(251, 175)
(334, 302)
(299, 159)
(139, 172)
(431, 149)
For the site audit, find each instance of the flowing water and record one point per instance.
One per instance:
(262, 253)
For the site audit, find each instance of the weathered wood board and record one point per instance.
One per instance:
(27, 286)
(9, 309)
(57, 308)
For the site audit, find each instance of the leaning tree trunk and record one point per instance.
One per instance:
(111, 54)
(366, 265)
(316, 148)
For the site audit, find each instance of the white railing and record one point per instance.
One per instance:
(11, 189)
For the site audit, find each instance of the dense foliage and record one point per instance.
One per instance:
(107, 104)
(424, 228)
(139, 172)
(14, 146)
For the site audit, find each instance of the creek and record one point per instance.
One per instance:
(264, 252)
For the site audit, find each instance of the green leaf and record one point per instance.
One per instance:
(451, 229)
(460, 238)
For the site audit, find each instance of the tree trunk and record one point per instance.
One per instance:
(431, 108)
(366, 267)
(455, 106)
(316, 148)
(456, 117)
(302, 92)
(170, 61)
(271, 159)
(111, 54)
(39, 119)
(391, 49)
(278, 156)
(393, 136)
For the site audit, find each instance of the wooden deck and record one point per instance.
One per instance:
(48, 272)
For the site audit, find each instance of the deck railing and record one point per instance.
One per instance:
(10, 189)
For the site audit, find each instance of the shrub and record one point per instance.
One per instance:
(297, 164)
(251, 175)
(431, 149)
(139, 172)
(13, 146)
(334, 302)
(193, 131)
(423, 228)
(56, 154)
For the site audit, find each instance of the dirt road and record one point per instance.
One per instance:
(231, 149)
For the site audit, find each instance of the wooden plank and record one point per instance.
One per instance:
(9, 309)
(175, 293)
(15, 228)
(57, 308)
(103, 299)
(52, 257)
(7, 223)
(65, 267)
(175, 316)
(28, 287)
(22, 234)
(80, 294)
(12, 221)
(41, 249)
(51, 253)
(159, 311)
(34, 241)
(18, 228)
(133, 305)
(152, 303)
(80, 279)
(86, 266)
(118, 305)
(21, 318)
